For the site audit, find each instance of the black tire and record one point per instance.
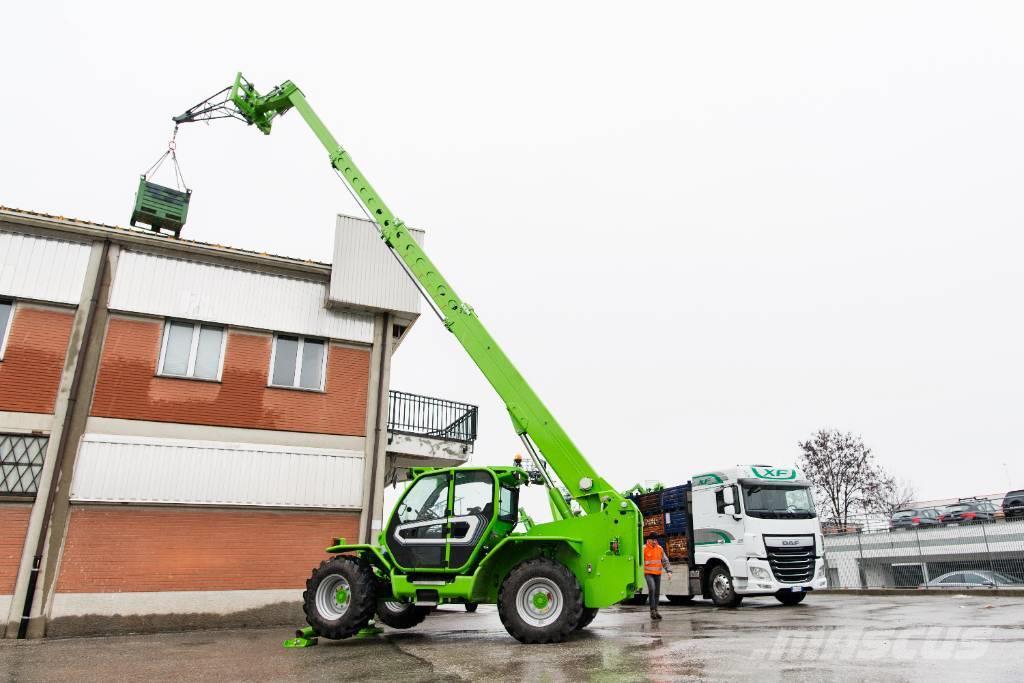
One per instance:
(790, 598)
(587, 616)
(471, 607)
(328, 617)
(526, 586)
(400, 614)
(679, 600)
(720, 585)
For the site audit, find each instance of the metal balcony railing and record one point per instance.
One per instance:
(436, 418)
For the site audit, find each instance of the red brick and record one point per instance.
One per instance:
(127, 386)
(114, 550)
(13, 524)
(34, 359)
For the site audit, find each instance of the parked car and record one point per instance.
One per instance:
(1013, 505)
(975, 512)
(975, 578)
(912, 518)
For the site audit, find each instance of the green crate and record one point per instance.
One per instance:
(159, 207)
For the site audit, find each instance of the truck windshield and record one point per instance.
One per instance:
(778, 501)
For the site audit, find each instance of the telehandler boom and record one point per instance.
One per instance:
(452, 536)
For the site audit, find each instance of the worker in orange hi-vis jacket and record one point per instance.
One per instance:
(655, 560)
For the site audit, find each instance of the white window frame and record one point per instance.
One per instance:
(298, 363)
(196, 327)
(7, 329)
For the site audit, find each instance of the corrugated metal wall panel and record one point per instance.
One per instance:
(194, 290)
(365, 273)
(33, 267)
(143, 470)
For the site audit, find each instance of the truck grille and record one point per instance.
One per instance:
(792, 565)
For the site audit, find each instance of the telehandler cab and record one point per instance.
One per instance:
(452, 536)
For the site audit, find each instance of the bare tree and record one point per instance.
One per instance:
(846, 479)
(894, 494)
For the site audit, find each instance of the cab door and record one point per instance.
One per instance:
(441, 520)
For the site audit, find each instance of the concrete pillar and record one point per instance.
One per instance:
(48, 520)
(371, 519)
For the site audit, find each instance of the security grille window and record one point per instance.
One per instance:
(298, 363)
(6, 311)
(192, 350)
(21, 461)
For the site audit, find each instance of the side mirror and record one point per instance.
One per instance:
(730, 509)
(729, 498)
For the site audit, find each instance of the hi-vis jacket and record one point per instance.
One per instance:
(655, 559)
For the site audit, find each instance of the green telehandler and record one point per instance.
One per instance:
(454, 536)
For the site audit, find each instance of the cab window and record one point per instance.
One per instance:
(507, 504)
(427, 499)
(474, 494)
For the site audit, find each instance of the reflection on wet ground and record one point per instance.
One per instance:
(835, 637)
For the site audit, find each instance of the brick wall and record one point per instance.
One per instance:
(13, 523)
(34, 359)
(112, 550)
(128, 388)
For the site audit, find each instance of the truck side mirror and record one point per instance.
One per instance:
(727, 496)
(729, 509)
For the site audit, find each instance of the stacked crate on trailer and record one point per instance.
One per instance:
(665, 519)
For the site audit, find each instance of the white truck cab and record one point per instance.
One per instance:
(752, 530)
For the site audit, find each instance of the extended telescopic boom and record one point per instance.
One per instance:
(530, 417)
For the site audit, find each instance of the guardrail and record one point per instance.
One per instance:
(436, 418)
(956, 557)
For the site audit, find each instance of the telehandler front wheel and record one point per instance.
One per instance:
(588, 615)
(340, 597)
(540, 601)
(401, 614)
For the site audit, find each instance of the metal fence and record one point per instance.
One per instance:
(923, 551)
(432, 417)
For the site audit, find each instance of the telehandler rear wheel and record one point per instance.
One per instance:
(340, 597)
(401, 614)
(540, 601)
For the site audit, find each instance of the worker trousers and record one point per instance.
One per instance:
(653, 589)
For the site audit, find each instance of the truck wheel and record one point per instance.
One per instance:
(587, 616)
(340, 597)
(723, 594)
(471, 607)
(790, 598)
(540, 601)
(679, 600)
(400, 614)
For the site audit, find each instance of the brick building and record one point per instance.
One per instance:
(184, 426)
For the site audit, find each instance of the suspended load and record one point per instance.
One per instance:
(159, 207)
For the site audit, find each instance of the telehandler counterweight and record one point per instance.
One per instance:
(452, 536)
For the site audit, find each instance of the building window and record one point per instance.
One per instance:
(21, 461)
(298, 362)
(6, 315)
(192, 350)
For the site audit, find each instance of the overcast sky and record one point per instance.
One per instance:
(702, 231)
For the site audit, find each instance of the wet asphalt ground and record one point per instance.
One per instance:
(828, 637)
